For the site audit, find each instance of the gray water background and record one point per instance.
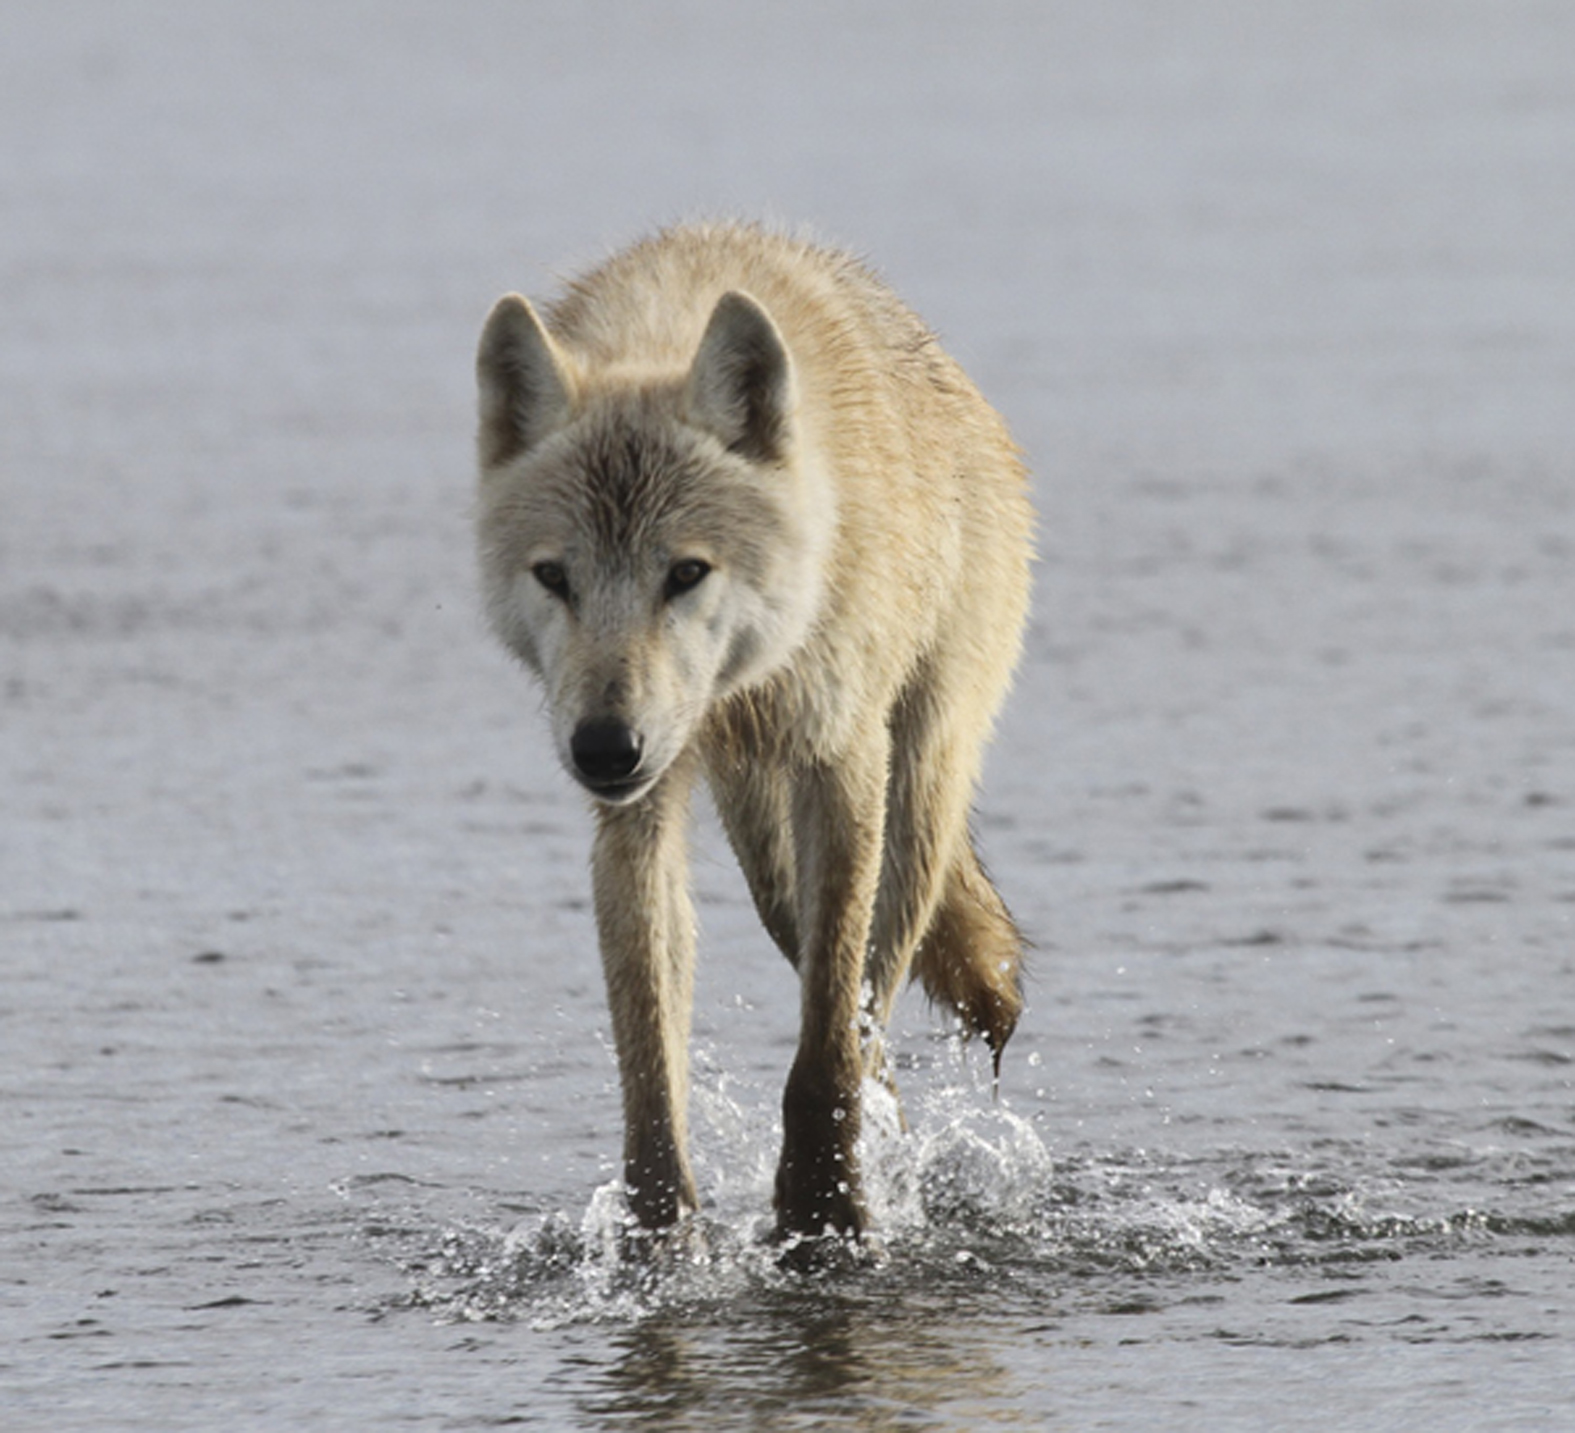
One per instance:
(308, 1114)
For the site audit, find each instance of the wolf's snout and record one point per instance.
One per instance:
(605, 749)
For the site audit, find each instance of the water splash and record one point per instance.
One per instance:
(969, 1192)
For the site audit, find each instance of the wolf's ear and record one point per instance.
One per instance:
(741, 386)
(524, 388)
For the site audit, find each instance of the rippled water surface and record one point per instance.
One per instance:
(309, 1108)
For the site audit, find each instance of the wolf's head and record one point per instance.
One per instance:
(650, 541)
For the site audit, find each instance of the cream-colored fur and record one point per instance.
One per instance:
(746, 520)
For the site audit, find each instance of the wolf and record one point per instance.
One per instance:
(748, 523)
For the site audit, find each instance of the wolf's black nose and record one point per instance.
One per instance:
(605, 749)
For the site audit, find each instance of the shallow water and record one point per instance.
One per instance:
(310, 1110)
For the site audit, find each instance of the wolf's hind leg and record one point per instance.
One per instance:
(755, 804)
(928, 790)
(937, 912)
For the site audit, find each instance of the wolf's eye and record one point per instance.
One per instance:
(686, 574)
(552, 577)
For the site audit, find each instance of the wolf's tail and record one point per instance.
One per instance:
(972, 956)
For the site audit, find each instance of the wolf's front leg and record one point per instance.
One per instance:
(838, 818)
(647, 930)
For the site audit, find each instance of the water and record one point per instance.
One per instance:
(310, 1115)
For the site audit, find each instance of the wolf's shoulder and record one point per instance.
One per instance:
(657, 293)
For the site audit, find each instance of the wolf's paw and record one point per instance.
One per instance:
(682, 1242)
(829, 1253)
(818, 1192)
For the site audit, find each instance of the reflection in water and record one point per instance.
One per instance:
(810, 1360)
(1001, 1263)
